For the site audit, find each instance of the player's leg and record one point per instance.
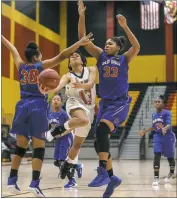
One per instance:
(114, 114)
(72, 156)
(109, 162)
(78, 119)
(158, 151)
(57, 152)
(20, 128)
(38, 124)
(79, 138)
(169, 152)
(38, 156)
(156, 165)
(22, 144)
(171, 162)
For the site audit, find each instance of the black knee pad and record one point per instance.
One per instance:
(157, 157)
(171, 162)
(96, 149)
(39, 153)
(20, 151)
(102, 132)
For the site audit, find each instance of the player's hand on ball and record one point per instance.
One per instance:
(164, 130)
(121, 20)
(44, 90)
(142, 133)
(86, 39)
(81, 7)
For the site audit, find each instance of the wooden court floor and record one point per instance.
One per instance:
(137, 179)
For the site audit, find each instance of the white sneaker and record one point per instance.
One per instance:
(13, 189)
(156, 182)
(48, 135)
(169, 177)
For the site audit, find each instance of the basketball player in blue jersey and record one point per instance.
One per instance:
(58, 116)
(163, 140)
(113, 90)
(30, 118)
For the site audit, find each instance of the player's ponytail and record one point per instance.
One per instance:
(120, 41)
(31, 50)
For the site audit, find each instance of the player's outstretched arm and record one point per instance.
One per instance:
(91, 81)
(16, 57)
(134, 50)
(50, 63)
(92, 49)
(143, 132)
(64, 80)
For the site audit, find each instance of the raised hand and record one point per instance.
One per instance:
(121, 20)
(86, 39)
(44, 90)
(81, 7)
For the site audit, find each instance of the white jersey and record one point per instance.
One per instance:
(87, 97)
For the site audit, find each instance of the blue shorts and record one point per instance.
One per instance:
(164, 144)
(30, 118)
(62, 147)
(114, 111)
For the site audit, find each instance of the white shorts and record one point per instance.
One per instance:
(73, 103)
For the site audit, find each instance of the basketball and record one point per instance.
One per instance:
(49, 78)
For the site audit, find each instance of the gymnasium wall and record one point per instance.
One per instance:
(151, 61)
(40, 21)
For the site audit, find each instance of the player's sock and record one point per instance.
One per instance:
(156, 174)
(69, 160)
(13, 172)
(110, 172)
(36, 175)
(103, 163)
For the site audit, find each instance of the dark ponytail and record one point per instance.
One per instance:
(31, 50)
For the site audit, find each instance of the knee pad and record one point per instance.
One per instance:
(157, 157)
(102, 132)
(96, 149)
(39, 153)
(20, 151)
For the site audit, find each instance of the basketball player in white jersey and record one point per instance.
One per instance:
(81, 92)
